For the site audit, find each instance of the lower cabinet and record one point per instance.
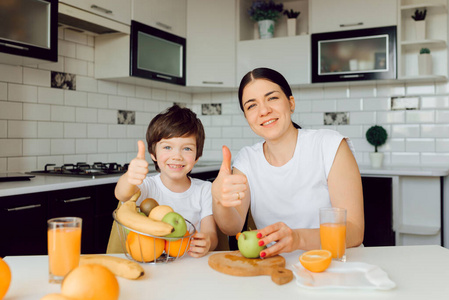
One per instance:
(24, 218)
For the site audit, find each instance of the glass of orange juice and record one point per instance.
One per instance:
(333, 231)
(64, 246)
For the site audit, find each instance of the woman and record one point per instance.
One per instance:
(287, 177)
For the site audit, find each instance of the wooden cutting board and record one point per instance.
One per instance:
(234, 263)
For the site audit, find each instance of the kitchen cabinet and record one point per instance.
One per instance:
(25, 218)
(167, 15)
(409, 44)
(117, 10)
(211, 43)
(330, 15)
(288, 55)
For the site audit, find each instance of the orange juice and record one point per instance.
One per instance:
(64, 247)
(333, 238)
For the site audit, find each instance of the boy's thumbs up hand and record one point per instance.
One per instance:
(228, 189)
(138, 167)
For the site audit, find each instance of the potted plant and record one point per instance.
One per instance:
(424, 62)
(265, 13)
(376, 136)
(420, 23)
(291, 21)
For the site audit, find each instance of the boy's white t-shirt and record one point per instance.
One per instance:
(193, 204)
(294, 192)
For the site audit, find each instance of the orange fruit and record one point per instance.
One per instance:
(237, 236)
(316, 260)
(5, 275)
(90, 282)
(177, 248)
(144, 248)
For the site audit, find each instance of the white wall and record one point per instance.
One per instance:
(40, 124)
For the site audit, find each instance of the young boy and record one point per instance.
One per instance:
(175, 140)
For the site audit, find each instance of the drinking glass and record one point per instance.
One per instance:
(333, 231)
(64, 246)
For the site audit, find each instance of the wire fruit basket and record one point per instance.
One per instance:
(146, 248)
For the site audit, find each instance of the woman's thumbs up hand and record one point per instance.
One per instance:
(138, 167)
(228, 188)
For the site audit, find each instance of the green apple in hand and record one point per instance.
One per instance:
(178, 223)
(248, 244)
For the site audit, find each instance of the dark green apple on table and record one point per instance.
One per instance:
(248, 244)
(178, 222)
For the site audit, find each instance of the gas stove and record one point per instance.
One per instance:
(82, 169)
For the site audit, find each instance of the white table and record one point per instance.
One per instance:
(420, 272)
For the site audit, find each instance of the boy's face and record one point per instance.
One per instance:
(176, 156)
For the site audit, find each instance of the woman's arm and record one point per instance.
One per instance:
(345, 190)
(230, 197)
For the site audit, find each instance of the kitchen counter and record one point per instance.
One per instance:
(420, 272)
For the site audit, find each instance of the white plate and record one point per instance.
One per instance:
(344, 275)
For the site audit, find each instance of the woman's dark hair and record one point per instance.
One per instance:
(267, 74)
(175, 122)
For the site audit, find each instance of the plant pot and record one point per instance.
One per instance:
(420, 29)
(376, 159)
(266, 29)
(291, 27)
(424, 64)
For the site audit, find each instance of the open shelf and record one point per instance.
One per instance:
(422, 5)
(423, 42)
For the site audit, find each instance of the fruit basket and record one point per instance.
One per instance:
(146, 248)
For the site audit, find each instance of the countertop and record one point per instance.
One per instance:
(42, 183)
(420, 272)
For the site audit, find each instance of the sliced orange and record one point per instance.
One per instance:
(316, 260)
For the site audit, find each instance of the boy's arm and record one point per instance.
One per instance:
(209, 227)
(137, 171)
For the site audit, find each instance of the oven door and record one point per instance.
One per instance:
(365, 54)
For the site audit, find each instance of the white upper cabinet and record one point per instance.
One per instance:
(211, 42)
(117, 10)
(332, 15)
(166, 15)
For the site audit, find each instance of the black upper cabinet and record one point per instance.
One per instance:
(28, 31)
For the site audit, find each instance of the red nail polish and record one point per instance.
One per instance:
(262, 254)
(259, 235)
(261, 243)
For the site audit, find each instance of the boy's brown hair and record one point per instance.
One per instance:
(175, 122)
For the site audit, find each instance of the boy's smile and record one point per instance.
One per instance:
(176, 157)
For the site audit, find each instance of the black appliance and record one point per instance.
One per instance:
(82, 169)
(157, 55)
(363, 54)
(29, 28)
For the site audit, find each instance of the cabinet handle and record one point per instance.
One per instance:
(353, 24)
(14, 46)
(24, 207)
(212, 82)
(105, 10)
(168, 27)
(76, 199)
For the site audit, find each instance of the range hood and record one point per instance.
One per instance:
(84, 21)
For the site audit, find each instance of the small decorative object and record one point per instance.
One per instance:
(291, 21)
(266, 13)
(376, 136)
(424, 62)
(420, 23)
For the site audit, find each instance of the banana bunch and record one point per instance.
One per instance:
(128, 215)
(118, 266)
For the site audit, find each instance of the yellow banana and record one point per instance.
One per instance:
(119, 266)
(127, 215)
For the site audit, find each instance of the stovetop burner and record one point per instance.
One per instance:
(83, 169)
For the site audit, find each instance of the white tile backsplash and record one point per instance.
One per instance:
(40, 124)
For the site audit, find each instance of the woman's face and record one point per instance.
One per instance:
(267, 109)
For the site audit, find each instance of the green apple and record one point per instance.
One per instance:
(178, 222)
(248, 244)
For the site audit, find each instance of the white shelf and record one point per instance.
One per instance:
(422, 5)
(418, 229)
(427, 78)
(423, 42)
